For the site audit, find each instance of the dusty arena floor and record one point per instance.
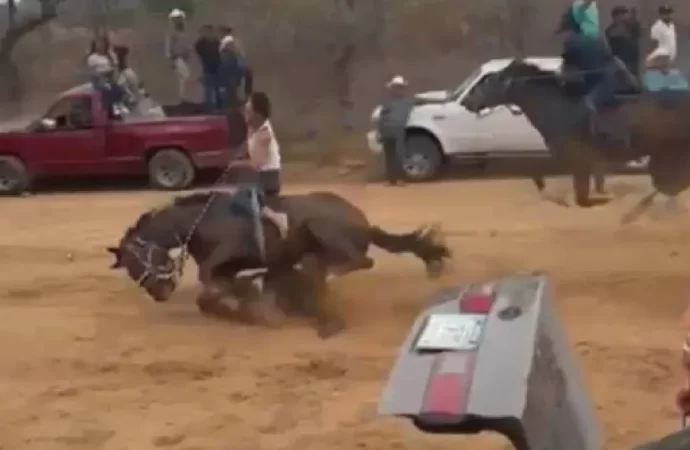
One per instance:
(87, 362)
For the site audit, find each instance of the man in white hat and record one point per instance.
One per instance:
(178, 49)
(392, 122)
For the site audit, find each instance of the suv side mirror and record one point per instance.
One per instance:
(48, 123)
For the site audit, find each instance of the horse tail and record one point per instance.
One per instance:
(427, 243)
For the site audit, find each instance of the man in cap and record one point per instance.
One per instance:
(232, 74)
(393, 118)
(178, 50)
(623, 37)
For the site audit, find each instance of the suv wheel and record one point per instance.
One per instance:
(423, 159)
(171, 170)
(14, 179)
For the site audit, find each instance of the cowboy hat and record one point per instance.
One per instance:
(397, 80)
(177, 14)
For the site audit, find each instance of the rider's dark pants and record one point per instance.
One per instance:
(604, 91)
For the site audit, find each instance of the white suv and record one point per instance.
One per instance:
(438, 133)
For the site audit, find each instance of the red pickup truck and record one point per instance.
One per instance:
(77, 137)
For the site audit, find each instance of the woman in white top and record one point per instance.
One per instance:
(101, 64)
(663, 32)
(264, 157)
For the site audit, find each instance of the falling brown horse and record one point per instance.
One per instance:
(648, 124)
(328, 235)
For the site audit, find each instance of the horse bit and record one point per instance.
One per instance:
(168, 271)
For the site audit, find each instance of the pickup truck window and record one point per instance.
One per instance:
(465, 84)
(74, 113)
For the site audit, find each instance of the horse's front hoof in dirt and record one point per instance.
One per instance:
(593, 201)
(264, 310)
(555, 199)
(330, 328)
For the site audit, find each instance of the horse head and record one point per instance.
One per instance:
(502, 87)
(147, 263)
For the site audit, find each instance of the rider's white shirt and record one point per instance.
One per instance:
(665, 36)
(273, 161)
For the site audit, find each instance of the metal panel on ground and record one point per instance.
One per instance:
(494, 357)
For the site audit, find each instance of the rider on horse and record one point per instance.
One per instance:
(586, 55)
(264, 158)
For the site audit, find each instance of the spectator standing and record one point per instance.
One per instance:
(101, 65)
(127, 77)
(232, 73)
(393, 118)
(663, 32)
(623, 37)
(178, 51)
(208, 50)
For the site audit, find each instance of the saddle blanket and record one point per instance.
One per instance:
(673, 80)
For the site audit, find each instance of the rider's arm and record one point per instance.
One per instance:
(258, 151)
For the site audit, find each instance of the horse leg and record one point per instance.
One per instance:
(291, 289)
(327, 323)
(347, 257)
(599, 176)
(259, 306)
(539, 179)
(639, 208)
(210, 302)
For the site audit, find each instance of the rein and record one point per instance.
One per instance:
(176, 272)
(161, 272)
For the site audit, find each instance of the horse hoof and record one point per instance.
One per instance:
(330, 329)
(265, 313)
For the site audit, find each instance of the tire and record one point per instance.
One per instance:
(14, 178)
(171, 170)
(423, 159)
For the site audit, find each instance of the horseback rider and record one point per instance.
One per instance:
(587, 56)
(264, 159)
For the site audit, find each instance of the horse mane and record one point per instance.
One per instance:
(532, 74)
(192, 199)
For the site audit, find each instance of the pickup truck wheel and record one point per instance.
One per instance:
(14, 179)
(423, 159)
(171, 170)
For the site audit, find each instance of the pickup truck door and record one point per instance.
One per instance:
(75, 144)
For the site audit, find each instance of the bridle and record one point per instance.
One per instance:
(166, 272)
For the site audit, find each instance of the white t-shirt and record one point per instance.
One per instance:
(665, 36)
(264, 135)
(99, 64)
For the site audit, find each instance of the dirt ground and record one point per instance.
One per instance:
(87, 362)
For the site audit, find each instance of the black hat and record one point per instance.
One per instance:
(620, 9)
(665, 9)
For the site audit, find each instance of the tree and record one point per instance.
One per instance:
(11, 86)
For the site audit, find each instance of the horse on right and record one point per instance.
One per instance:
(649, 124)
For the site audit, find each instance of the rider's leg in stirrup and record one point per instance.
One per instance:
(279, 219)
(257, 225)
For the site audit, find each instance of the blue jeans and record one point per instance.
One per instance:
(212, 98)
(111, 92)
(604, 91)
(247, 202)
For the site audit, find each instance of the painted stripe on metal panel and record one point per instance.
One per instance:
(450, 384)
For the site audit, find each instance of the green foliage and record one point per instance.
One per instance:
(163, 7)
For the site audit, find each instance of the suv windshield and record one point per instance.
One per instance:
(465, 84)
